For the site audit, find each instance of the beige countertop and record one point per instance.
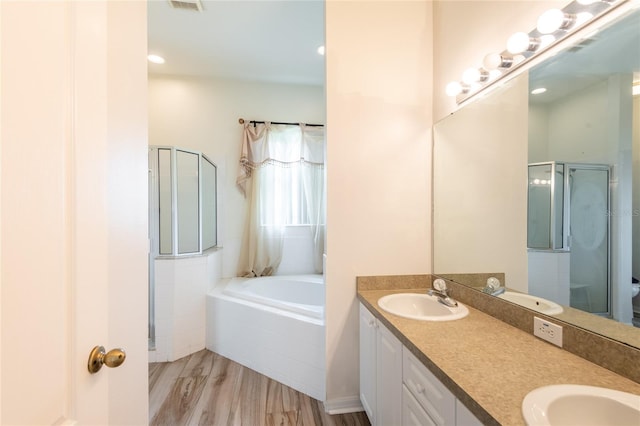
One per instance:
(488, 364)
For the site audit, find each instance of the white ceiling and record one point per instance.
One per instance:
(271, 41)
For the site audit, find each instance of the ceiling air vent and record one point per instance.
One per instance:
(195, 5)
(581, 45)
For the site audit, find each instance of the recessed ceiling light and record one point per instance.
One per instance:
(321, 50)
(156, 59)
(538, 91)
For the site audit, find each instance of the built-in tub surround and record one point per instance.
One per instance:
(490, 379)
(181, 287)
(280, 337)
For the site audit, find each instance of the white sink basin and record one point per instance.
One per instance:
(421, 307)
(534, 303)
(580, 406)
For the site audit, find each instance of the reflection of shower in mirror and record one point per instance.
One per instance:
(568, 235)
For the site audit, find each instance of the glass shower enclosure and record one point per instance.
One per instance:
(568, 212)
(182, 209)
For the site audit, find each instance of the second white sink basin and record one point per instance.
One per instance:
(580, 405)
(421, 307)
(534, 303)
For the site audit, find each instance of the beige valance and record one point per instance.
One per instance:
(278, 144)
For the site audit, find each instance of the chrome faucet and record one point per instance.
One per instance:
(442, 292)
(493, 287)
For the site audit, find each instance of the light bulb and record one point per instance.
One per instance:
(583, 17)
(521, 42)
(546, 40)
(538, 91)
(471, 75)
(494, 61)
(474, 75)
(553, 20)
(493, 74)
(321, 50)
(517, 59)
(453, 89)
(474, 87)
(156, 59)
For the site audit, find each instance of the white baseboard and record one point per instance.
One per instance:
(349, 404)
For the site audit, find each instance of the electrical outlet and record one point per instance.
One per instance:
(548, 331)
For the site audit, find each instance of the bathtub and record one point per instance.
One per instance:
(273, 325)
(300, 294)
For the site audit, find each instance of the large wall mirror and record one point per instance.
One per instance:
(544, 185)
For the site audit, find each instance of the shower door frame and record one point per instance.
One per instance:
(567, 220)
(552, 207)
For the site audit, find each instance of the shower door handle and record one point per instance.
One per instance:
(99, 357)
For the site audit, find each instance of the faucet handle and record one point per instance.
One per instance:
(493, 283)
(440, 284)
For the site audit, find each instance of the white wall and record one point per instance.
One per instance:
(636, 188)
(636, 198)
(202, 114)
(379, 72)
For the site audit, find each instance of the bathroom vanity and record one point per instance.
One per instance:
(473, 370)
(396, 388)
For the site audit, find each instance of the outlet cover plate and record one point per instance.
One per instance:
(548, 331)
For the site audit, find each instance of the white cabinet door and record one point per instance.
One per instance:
(389, 384)
(368, 363)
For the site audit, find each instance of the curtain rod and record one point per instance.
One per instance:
(242, 121)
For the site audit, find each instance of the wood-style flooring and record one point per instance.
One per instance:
(208, 389)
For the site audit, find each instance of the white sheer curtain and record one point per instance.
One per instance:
(282, 175)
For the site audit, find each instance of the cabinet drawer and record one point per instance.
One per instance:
(433, 396)
(412, 413)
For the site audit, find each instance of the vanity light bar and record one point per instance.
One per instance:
(552, 26)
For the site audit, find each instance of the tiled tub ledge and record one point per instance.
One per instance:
(490, 364)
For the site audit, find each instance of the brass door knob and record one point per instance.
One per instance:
(98, 357)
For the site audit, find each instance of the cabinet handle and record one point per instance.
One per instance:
(420, 388)
(372, 323)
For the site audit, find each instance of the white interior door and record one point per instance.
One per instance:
(73, 210)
